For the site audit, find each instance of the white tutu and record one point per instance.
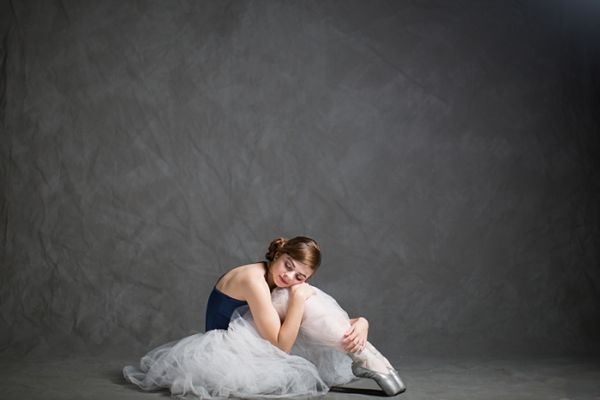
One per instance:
(238, 362)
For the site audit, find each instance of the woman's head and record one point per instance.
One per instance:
(293, 260)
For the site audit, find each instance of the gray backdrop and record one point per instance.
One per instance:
(443, 154)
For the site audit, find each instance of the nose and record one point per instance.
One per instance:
(289, 277)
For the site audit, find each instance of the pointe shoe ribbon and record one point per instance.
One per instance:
(390, 383)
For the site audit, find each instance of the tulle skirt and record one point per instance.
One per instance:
(238, 362)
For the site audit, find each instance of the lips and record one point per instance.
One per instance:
(283, 280)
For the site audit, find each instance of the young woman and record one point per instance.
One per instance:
(268, 334)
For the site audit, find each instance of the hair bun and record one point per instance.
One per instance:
(274, 247)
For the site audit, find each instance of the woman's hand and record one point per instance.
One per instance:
(355, 338)
(302, 291)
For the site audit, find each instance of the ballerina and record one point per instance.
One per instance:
(268, 334)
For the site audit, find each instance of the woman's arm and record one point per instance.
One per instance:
(355, 338)
(280, 334)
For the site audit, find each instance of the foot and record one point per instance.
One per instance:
(390, 382)
(370, 363)
(371, 358)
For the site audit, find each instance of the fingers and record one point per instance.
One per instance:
(354, 348)
(350, 335)
(359, 347)
(355, 339)
(356, 345)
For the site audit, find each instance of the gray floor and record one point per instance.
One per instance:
(426, 378)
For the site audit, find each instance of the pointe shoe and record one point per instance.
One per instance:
(390, 383)
(401, 383)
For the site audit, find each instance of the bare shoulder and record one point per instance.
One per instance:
(252, 277)
(248, 272)
(244, 281)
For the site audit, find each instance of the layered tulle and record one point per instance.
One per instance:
(238, 362)
(322, 329)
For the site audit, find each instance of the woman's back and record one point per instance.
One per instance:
(229, 293)
(232, 282)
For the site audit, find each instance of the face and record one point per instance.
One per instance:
(286, 272)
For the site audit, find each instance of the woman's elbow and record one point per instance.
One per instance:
(282, 346)
(279, 344)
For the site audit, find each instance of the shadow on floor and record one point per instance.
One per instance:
(353, 390)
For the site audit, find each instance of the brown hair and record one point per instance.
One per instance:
(300, 248)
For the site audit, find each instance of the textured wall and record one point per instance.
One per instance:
(442, 153)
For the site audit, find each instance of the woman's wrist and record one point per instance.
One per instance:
(296, 302)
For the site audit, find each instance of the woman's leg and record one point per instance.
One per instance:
(324, 323)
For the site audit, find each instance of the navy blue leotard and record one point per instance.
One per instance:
(219, 309)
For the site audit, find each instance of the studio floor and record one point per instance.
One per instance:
(426, 378)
